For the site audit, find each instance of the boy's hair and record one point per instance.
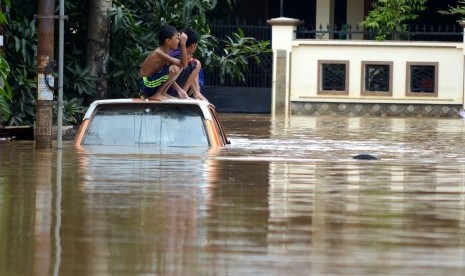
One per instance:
(165, 32)
(192, 37)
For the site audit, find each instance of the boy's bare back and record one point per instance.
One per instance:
(160, 56)
(152, 64)
(159, 70)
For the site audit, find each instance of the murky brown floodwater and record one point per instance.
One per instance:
(285, 198)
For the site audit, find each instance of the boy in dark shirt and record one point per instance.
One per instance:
(188, 80)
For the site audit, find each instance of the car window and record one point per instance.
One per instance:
(158, 125)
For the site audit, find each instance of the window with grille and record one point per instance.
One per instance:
(377, 78)
(333, 77)
(422, 79)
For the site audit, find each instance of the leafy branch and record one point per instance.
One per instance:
(5, 91)
(389, 17)
(459, 9)
(236, 53)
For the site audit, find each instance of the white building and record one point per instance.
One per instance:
(323, 75)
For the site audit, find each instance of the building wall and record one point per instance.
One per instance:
(363, 77)
(307, 53)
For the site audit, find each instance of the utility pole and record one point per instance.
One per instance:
(61, 46)
(44, 104)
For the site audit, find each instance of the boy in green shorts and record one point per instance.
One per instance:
(159, 70)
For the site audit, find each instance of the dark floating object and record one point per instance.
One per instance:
(365, 157)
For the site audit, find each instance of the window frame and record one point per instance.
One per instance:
(320, 76)
(408, 92)
(364, 91)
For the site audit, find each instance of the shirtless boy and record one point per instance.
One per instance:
(159, 70)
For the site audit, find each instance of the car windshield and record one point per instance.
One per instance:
(167, 125)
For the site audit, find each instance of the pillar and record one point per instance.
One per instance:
(462, 24)
(324, 15)
(355, 15)
(282, 35)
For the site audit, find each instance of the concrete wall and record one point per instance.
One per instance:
(306, 56)
(307, 53)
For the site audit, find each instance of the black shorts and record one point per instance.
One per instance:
(183, 76)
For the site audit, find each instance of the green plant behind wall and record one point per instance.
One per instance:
(457, 10)
(134, 31)
(134, 26)
(388, 18)
(235, 53)
(21, 51)
(5, 91)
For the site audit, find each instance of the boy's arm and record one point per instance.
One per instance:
(182, 44)
(168, 58)
(182, 62)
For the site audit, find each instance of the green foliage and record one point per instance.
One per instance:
(5, 92)
(73, 111)
(236, 53)
(23, 86)
(207, 47)
(3, 19)
(390, 17)
(459, 10)
(134, 37)
(129, 38)
(21, 53)
(77, 79)
(124, 73)
(23, 41)
(134, 26)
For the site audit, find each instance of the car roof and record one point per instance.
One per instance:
(204, 105)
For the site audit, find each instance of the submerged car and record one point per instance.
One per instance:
(137, 122)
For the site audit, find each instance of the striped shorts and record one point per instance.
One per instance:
(149, 85)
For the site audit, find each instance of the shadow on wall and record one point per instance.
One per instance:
(239, 99)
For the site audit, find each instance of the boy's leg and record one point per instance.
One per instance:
(185, 79)
(195, 86)
(193, 75)
(175, 71)
(161, 94)
(182, 94)
(196, 89)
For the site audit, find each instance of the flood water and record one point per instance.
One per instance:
(285, 198)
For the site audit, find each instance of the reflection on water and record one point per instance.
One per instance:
(285, 197)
